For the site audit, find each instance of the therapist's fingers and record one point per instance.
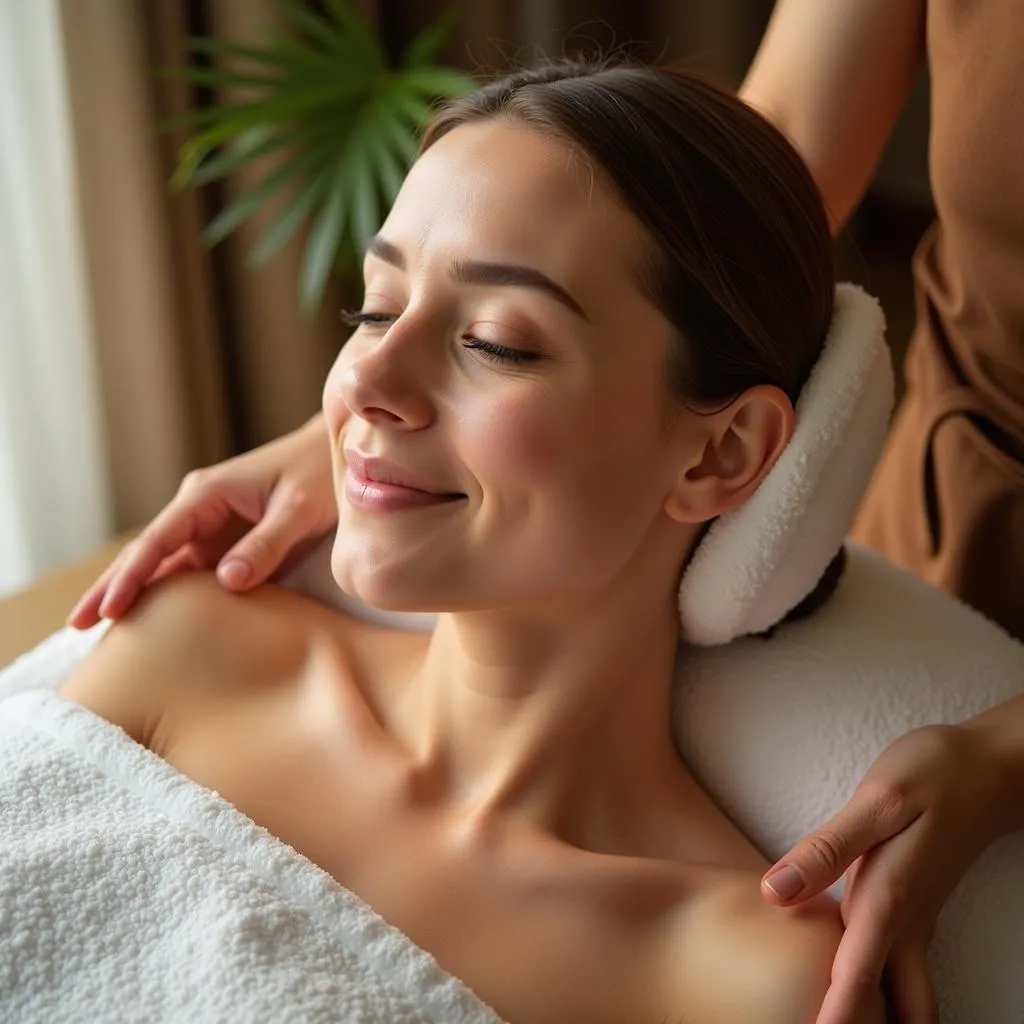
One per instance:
(209, 518)
(86, 612)
(820, 859)
(859, 962)
(167, 534)
(189, 557)
(910, 984)
(878, 910)
(254, 558)
(93, 605)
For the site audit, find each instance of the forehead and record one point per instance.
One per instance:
(500, 190)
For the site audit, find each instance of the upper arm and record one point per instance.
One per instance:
(833, 76)
(796, 967)
(747, 960)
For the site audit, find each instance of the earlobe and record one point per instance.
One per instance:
(738, 447)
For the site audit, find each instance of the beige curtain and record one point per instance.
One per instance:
(201, 355)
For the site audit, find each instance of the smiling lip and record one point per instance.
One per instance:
(376, 484)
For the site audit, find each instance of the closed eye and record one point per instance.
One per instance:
(499, 353)
(488, 349)
(355, 318)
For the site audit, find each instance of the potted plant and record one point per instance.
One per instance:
(324, 97)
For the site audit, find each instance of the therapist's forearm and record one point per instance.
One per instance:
(1003, 729)
(833, 77)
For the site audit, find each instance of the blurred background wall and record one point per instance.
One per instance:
(193, 354)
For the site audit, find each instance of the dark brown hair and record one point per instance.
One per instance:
(739, 256)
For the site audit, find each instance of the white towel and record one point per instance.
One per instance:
(130, 893)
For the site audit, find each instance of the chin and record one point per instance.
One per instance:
(389, 584)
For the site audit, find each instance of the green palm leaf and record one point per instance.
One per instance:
(396, 150)
(323, 32)
(292, 217)
(218, 77)
(291, 58)
(249, 146)
(325, 95)
(309, 193)
(438, 81)
(323, 244)
(413, 108)
(365, 197)
(242, 208)
(355, 28)
(423, 50)
(401, 138)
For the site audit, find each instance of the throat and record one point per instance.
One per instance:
(550, 745)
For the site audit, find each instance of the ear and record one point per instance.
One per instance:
(734, 450)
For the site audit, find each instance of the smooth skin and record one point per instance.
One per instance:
(504, 790)
(834, 77)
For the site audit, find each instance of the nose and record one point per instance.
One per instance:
(384, 380)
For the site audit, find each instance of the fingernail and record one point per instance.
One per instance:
(105, 605)
(786, 882)
(233, 573)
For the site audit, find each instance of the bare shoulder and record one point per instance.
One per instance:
(185, 634)
(731, 957)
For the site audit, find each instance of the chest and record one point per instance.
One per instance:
(535, 941)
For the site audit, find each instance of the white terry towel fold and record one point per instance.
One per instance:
(760, 560)
(130, 893)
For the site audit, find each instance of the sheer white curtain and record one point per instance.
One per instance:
(53, 490)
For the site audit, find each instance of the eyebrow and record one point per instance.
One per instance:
(477, 272)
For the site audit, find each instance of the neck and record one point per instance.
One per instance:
(555, 718)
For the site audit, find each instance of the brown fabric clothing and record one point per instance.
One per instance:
(947, 499)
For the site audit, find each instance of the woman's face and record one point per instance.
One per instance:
(510, 368)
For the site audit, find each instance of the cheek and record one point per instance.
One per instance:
(588, 465)
(515, 439)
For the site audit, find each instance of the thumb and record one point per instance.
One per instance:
(259, 553)
(821, 858)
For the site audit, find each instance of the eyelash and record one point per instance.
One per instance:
(497, 353)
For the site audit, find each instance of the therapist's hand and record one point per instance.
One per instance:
(927, 808)
(249, 516)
